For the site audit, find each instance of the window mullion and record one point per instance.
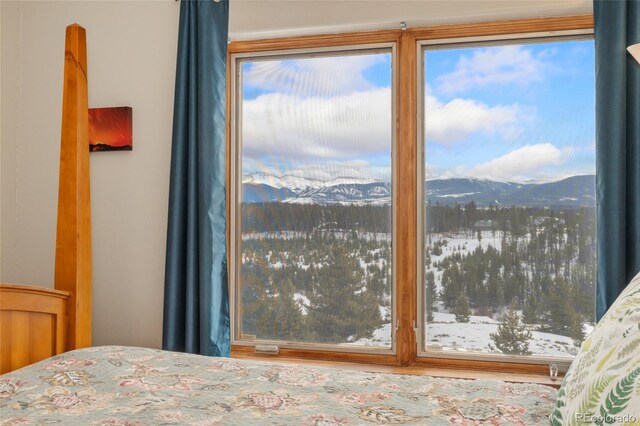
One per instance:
(406, 201)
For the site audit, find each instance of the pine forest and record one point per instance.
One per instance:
(515, 280)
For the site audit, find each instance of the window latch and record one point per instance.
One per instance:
(553, 372)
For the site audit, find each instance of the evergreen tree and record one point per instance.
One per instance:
(512, 337)
(452, 284)
(544, 262)
(461, 309)
(530, 312)
(254, 295)
(494, 289)
(341, 307)
(561, 317)
(283, 319)
(577, 332)
(376, 284)
(431, 294)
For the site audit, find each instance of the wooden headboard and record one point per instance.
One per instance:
(38, 322)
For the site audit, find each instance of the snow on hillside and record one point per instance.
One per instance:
(380, 190)
(381, 337)
(261, 186)
(357, 192)
(303, 302)
(343, 180)
(364, 202)
(463, 243)
(285, 181)
(445, 334)
(297, 183)
(464, 194)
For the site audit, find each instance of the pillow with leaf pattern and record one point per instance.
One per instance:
(602, 385)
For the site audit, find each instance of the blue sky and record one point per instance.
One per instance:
(510, 113)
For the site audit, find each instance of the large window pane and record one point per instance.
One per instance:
(315, 212)
(510, 206)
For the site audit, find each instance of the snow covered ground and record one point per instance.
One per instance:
(465, 243)
(445, 334)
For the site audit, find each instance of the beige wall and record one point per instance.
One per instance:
(9, 41)
(131, 61)
(250, 19)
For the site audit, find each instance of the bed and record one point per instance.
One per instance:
(54, 376)
(114, 385)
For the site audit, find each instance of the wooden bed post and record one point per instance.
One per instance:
(73, 242)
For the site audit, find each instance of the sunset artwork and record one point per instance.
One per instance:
(110, 129)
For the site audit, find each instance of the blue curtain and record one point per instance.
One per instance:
(617, 25)
(196, 298)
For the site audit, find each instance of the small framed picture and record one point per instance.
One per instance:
(110, 129)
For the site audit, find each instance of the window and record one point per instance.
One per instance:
(313, 242)
(400, 197)
(509, 200)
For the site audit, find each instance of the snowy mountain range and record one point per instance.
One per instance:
(575, 191)
(296, 183)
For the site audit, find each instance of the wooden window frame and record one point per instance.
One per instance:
(566, 35)
(405, 209)
(236, 61)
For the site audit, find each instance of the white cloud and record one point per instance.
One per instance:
(313, 77)
(502, 65)
(291, 130)
(522, 164)
(289, 127)
(453, 122)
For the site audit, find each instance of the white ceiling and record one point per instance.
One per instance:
(253, 19)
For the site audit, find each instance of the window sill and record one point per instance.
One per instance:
(416, 369)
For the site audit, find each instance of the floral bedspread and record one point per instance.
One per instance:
(113, 385)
